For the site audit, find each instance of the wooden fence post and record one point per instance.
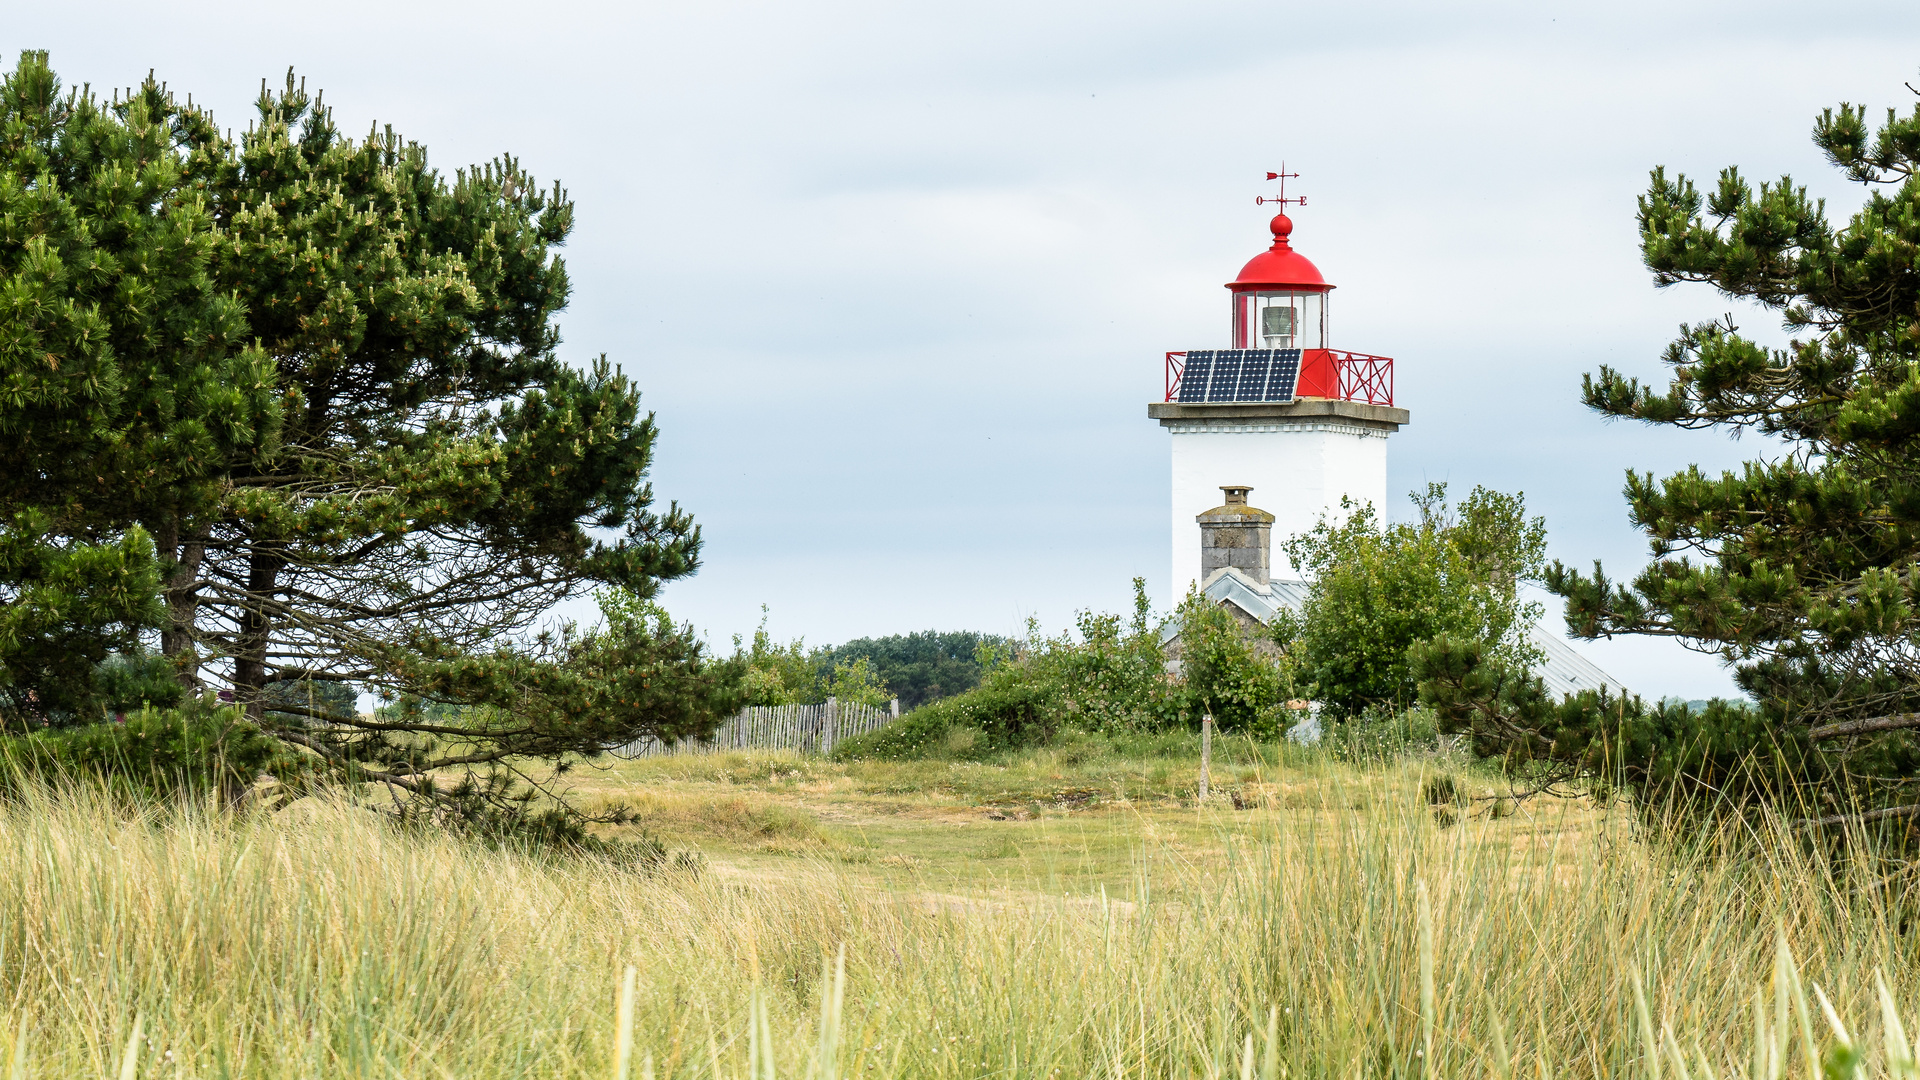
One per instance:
(1206, 753)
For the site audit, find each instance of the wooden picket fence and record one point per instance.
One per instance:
(803, 729)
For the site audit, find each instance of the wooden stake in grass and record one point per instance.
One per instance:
(1206, 753)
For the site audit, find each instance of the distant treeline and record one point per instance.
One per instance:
(923, 666)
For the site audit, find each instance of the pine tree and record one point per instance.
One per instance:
(127, 385)
(326, 380)
(442, 478)
(1802, 570)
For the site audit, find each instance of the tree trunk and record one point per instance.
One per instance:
(181, 553)
(264, 564)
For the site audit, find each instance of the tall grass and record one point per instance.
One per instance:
(321, 942)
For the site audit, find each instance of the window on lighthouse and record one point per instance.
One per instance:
(1281, 321)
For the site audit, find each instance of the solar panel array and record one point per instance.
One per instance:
(1213, 375)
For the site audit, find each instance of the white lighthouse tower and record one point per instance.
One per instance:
(1281, 413)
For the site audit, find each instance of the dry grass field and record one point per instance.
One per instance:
(1036, 826)
(1039, 919)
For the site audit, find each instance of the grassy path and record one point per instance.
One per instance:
(1034, 826)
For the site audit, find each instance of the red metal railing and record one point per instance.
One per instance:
(1324, 373)
(1365, 378)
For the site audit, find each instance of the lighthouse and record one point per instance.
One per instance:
(1279, 414)
(1270, 435)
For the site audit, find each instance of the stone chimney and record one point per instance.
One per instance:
(1236, 535)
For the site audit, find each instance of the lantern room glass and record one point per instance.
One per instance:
(1280, 320)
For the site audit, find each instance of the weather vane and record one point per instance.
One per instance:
(1283, 176)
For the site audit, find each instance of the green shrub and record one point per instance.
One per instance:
(130, 681)
(1014, 707)
(1223, 675)
(1110, 680)
(1115, 677)
(155, 753)
(1381, 733)
(921, 733)
(1011, 708)
(793, 674)
(1381, 588)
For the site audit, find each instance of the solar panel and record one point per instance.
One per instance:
(1284, 376)
(1195, 376)
(1226, 374)
(1253, 375)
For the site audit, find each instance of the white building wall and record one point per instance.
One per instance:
(1298, 470)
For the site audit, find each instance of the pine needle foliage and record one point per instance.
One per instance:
(442, 477)
(296, 401)
(1801, 570)
(127, 381)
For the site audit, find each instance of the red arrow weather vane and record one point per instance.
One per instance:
(1283, 176)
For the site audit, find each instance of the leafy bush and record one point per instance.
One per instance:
(921, 733)
(1226, 676)
(793, 674)
(1115, 677)
(1010, 708)
(1013, 707)
(1382, 734)
(196, 748)
(1111, 678)
(1379, 589)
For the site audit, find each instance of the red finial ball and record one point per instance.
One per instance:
(1282, 225)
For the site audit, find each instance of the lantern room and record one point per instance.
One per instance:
(1280, 299)
(1279, 334)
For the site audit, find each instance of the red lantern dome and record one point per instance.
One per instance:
(1280, 267)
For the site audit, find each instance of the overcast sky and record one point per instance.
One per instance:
(897, 279)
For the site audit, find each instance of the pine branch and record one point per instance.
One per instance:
(1895, 722)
